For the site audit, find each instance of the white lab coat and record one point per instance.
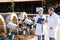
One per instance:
(38, 26)
(52, 22)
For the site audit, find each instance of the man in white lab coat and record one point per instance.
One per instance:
(52, 24)
(40, 25)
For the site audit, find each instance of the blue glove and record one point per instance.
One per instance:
(40, 20)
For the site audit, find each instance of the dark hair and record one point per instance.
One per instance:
(20, 25)
(51, 8)
(19, 19)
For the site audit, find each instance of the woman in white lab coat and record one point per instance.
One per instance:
(52, 24)
(40, 27)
